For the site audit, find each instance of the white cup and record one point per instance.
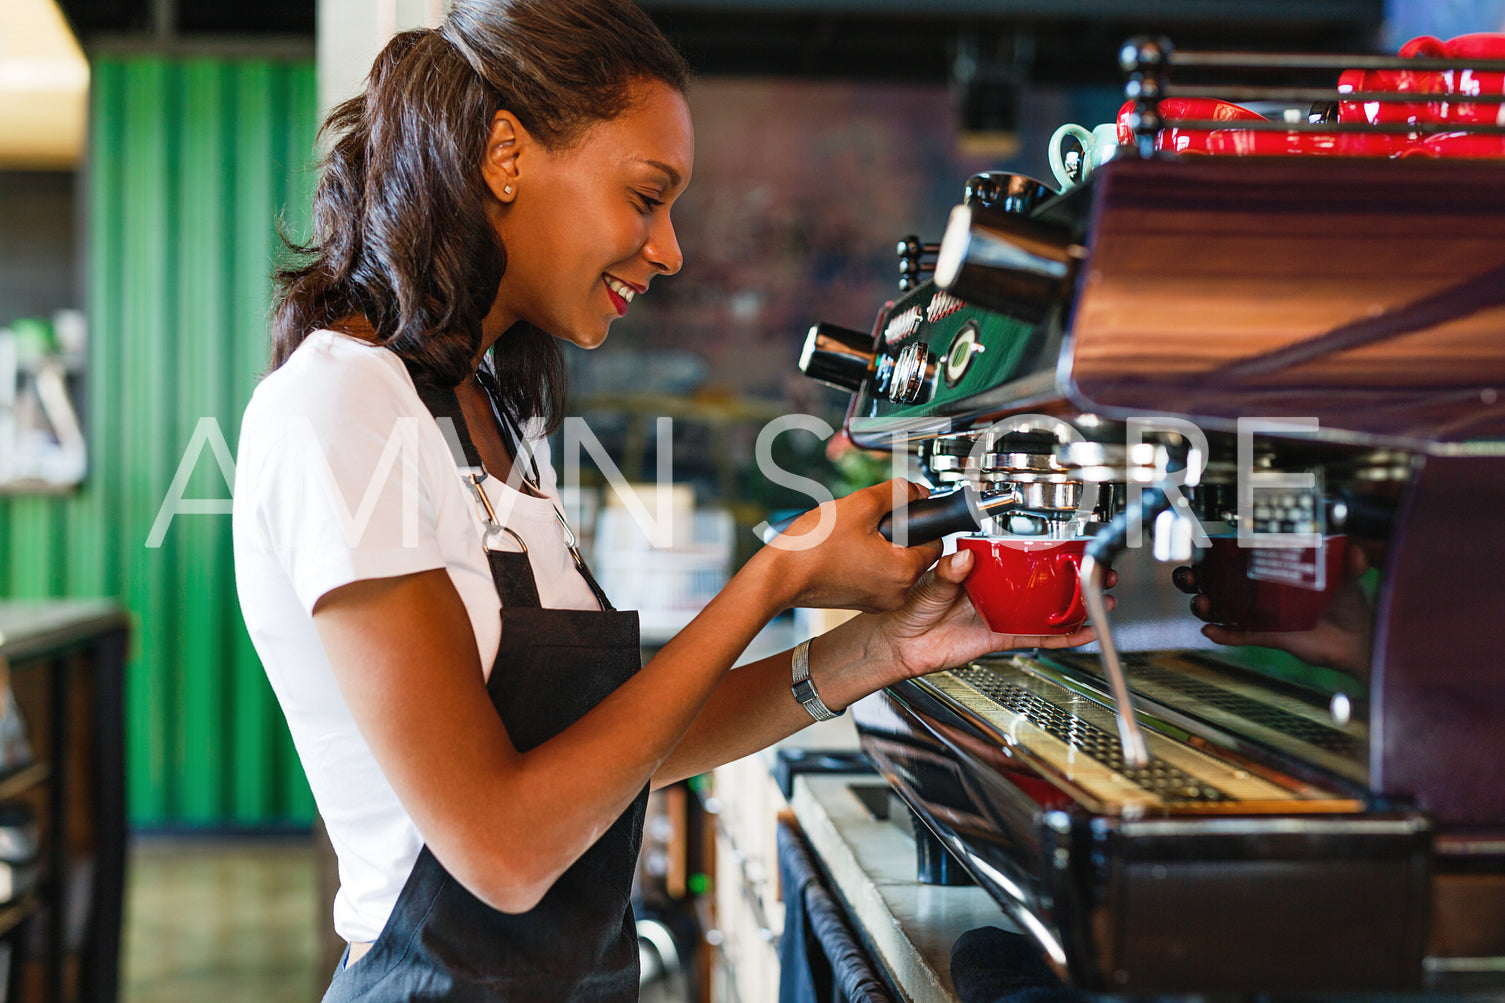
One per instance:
(1098, 146)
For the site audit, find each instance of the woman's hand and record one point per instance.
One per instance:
(937, 628)
(1340, 639)
(833, 557)
(934, 628)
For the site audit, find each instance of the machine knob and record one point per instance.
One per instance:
(1006, 262)
(911, 374)
(837, 356)
(912, 261)
(912, 247)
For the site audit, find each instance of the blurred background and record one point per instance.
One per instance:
(153, 153)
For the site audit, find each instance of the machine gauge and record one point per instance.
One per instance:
(964, 346)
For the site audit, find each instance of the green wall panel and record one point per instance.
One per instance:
(194, 165)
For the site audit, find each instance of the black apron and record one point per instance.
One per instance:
(580, 941)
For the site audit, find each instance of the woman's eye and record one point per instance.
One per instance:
(648, 202)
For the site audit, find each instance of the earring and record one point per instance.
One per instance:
(506, 189)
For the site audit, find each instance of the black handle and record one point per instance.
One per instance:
(927, 520)
(837, 356)
(931, 518)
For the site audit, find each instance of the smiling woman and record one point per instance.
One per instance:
(472, 714)
(407, 229)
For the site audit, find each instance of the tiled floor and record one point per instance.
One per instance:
(222, 921)
(215, 920)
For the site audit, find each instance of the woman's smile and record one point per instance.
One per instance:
(620, 292)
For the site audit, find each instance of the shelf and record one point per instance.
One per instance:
(21, 779)
(42, 630)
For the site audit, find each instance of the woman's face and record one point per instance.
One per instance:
(587, 228)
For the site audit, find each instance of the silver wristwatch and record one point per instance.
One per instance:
(804, 688)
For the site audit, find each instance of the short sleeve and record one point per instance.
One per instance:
(337, 476)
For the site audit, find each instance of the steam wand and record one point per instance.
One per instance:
(1098, 557)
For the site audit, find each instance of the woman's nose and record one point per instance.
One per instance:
(662, 248)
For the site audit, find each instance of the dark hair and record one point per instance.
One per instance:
(400, 232)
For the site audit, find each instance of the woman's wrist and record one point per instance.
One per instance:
(850, 661)
(779, 576)
(887, 647)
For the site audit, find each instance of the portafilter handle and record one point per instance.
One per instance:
(959, 511)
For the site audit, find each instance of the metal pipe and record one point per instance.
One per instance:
(1094, 591)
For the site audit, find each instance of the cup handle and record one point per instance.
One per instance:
(1057, 162)
(1424, 47)
(1074, 609)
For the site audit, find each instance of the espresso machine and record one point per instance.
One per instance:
(1270, 389)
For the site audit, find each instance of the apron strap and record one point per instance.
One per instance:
(521, 451)
(442, 403)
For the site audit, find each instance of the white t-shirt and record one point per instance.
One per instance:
(343, 475)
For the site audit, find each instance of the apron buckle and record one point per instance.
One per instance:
(473, 477)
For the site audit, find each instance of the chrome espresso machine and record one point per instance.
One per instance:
(1272, 389)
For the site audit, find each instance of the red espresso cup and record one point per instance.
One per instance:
(1459, 145)
(1025, 586)
(1396, 82)
(1244, 143)
(1467, 82)
(1452, 88)
(1284, 589)
(1176, 139)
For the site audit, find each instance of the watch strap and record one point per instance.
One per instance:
(804, 687)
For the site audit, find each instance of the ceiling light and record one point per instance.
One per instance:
(44, 87)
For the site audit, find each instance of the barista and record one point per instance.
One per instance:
(469, 709)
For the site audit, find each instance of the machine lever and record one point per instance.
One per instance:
(1007, 262)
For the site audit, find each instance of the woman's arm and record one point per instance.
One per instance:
(507, 824)
(754, 707)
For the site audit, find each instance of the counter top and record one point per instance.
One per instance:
(30, 628)
(871, 863)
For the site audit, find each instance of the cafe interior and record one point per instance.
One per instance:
(1189, 313)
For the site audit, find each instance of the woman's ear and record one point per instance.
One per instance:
(500, 166)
